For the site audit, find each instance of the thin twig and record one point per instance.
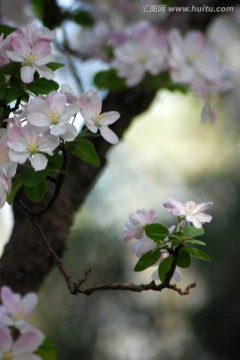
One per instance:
(70, 61)
(133, 287)
(75, 287)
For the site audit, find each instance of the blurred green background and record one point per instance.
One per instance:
(166, 152)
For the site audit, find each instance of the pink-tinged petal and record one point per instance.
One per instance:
(95, 101)
(27, 73)
(110, 117)
(177, 48)
(204, 217)
(130, 235)
(29, 302)
(177, 275)
(5, 338)
(90, 105)
(38, 105)
(202, 207)
(69, 112)
(70, 133)
(155, 276)
(193, 219)
(91, 126)
(43, 51)
(39, 162)
(141, 247)
(69, 93)
(9, 299)
(194, 43)
(49, 143)
(190, 207)
(58, 102)
(27, 343)
(108, 135)
(175, 207)
(152, 216)
(14, 56)
(45, 72)
(21, 46)
(18, 157)
(7, 182)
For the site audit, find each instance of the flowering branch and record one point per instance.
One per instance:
(75, 287)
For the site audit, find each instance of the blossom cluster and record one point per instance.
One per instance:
(30, 46)
(189, 59)
(40, 126)
(18, 339)
(186, 213)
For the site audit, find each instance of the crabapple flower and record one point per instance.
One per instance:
(191, 56)
(193, 62)
(20, 349)
(31, 47)
(54, 113)
(30, 142)
(144, 50)
(134, 227)
(16, 309)
(90, 108)
(190, 211)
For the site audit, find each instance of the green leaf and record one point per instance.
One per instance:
(191, 232)
(147, 260)
(38, 7)
(32, 178)
(55, 161)
(85, 150)
(184, 259)
(195, 241)
(156, 232)
(164, 267)
(13, 94)
(2, 92)
(162, 81)
(11, 68)
(108, 79)
(55, 65)
(17, 184)
(82, 17)
(47, 350)
(37, 192)
(42, 86)
(84, 134)
(199, 254)
(6, 30)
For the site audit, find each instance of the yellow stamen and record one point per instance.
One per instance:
(54, 116)
(8, 356)
(32, 148)
(98, 121)
(30, 57)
